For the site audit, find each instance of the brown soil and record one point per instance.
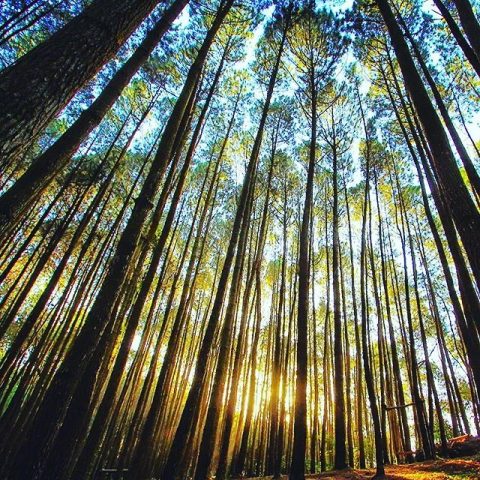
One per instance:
(451, 469)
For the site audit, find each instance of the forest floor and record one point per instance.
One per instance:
(449, 469)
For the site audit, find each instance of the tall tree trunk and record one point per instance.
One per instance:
(358, 354)
(297, 468)
(469, 23)
(340, 461)
(417, 398)
(379, 454)
(458, 35)
(39, 85)
(239, 465)
(45, 167)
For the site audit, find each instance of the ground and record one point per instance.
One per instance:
(451, 469)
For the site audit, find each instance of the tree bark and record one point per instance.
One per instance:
(45, 167)
(42, 82)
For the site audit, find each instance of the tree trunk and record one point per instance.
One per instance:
(297, 468)
(45, 167)
(379, 455)
(42, 82)
(469, 23)
(339, 400)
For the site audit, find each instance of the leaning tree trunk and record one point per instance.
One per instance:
(223, 466)
(469, 23)
(458, 35)
(227, 334)
(37, 87)
(459, 202)
(45, 167)
(472, 173)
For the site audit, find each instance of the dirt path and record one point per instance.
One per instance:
(452, 469)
